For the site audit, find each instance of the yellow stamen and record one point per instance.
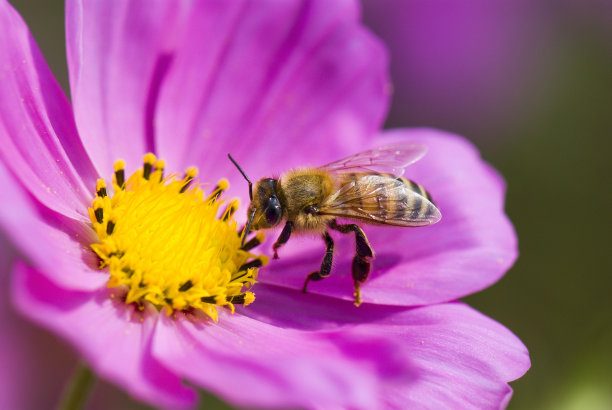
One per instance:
(218, 190)
(164, 242)
(160, 164)
(119, 177)
(231, 209)
(259, 238)
(191, 172)
(101, 188)
(149, 159)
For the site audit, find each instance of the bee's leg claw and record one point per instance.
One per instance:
(326, 264)
(314, 276)
(275, 255)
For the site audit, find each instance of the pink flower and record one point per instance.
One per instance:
(461, 64)
(277, 84)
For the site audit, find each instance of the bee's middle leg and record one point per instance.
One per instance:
(363, 252)
(326, 264)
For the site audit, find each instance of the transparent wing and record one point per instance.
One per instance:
(381, 199)
(389, 159)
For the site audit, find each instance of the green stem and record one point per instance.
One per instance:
(76, 393)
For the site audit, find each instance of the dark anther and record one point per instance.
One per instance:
(186, 185)
(161, 174)
(186, 286)
(215, 194)
(99, 213)
(251, 244)
(256, 263)
(229, 212)
(146, 172)
(129, 271)
(120, 177)
(241, 275)
(118, 254)
(168, 301)
(209, 299)
(101, 192)
(110, 226)
(238, 299)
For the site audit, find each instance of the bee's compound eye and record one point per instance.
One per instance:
(273, 211)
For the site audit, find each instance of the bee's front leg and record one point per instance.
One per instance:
(282, 238)
(326, 264)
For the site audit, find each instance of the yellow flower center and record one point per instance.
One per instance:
(166, 243)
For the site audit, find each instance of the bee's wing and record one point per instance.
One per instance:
(389, 159)
(381, 199)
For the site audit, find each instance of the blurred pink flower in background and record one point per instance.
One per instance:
(460, 65)
(279, 85)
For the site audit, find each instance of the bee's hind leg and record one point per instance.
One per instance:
(363, 253)
(361, 270)
(326, 264)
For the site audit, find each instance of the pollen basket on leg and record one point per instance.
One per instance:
(166, 242)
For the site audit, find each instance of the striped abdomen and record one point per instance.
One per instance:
(417, 206)
(384, 198)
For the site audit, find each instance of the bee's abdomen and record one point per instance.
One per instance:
(389, 199)
(414, 207)
(397, 198)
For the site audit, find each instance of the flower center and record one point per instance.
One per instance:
(165, 241)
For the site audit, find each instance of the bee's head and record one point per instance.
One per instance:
(265, 208)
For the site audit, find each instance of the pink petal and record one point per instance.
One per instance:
(459, 358)
(113, 339)
(117, 55)
(57, 245)
(250, 363)
(195, 80)
(464, 359)
(38, 138)
(469, 249)
(35, 366)
(270, 82)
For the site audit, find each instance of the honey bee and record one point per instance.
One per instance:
(366, 187)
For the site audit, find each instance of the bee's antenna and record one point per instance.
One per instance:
(250, 186)
(247, 228)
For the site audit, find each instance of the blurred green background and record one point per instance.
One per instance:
(531, 84)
